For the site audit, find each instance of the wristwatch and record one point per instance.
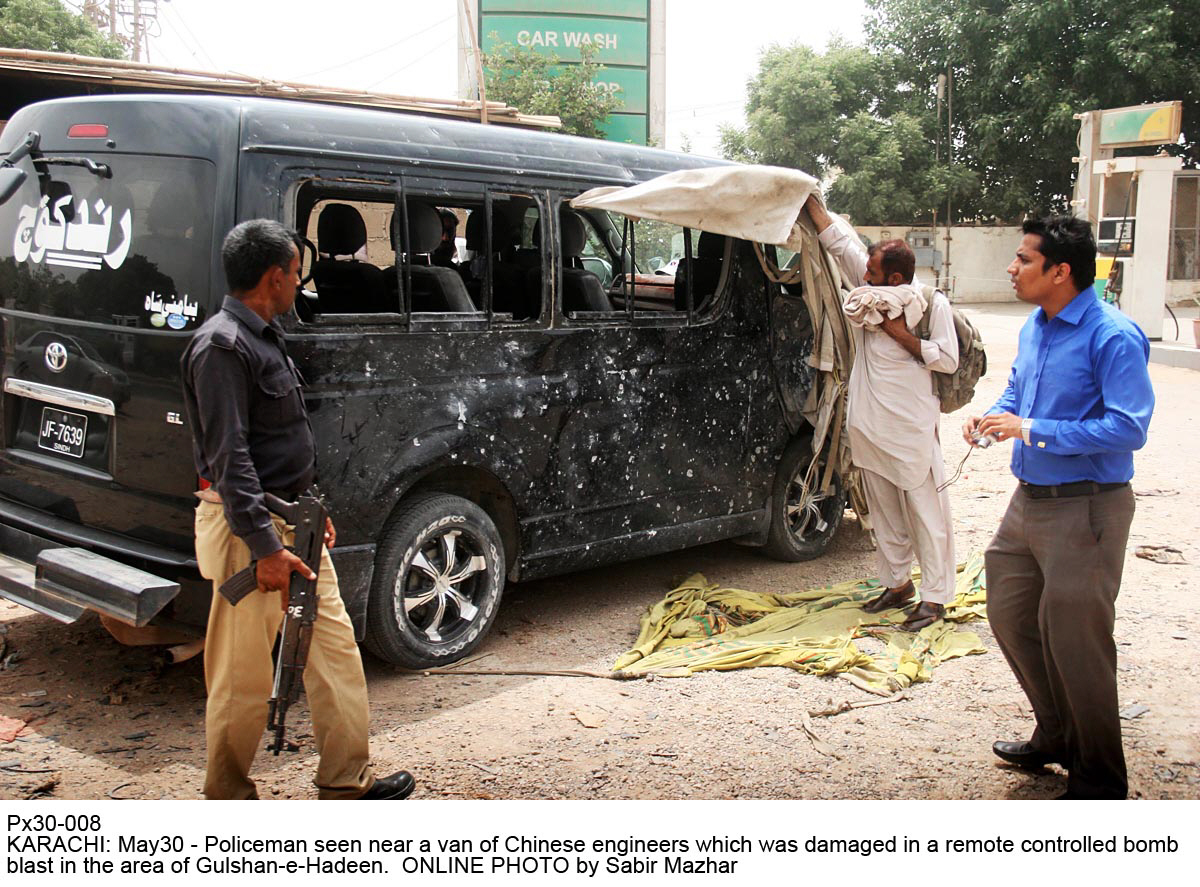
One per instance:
(1026, 430)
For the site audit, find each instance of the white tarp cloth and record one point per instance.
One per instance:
(867, 306)
(765, 204)
(755, 203)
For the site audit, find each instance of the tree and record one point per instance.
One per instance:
(537, 84)
(48, 26)
(838, 114)
(795, 103)
(1022, 69)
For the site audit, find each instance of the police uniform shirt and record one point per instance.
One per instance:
(250, 429)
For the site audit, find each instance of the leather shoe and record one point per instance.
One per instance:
(1072, 795)
(890, 599)
(396, 787)
(1024, 755)
(925, 614)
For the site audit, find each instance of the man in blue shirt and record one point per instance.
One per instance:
(1077, 405)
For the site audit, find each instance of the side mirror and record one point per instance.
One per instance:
(11, 180)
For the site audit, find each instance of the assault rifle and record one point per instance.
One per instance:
(307, 515)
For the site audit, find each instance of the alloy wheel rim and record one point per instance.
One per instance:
(439, 594)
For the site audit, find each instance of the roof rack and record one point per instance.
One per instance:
(145, 75)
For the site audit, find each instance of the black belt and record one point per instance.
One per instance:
(1065, 491)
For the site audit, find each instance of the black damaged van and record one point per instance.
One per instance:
(501, 387)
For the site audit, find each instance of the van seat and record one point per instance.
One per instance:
(345, 285)
(434, 287)
(704, 268)
(513, 292)
(582, 290)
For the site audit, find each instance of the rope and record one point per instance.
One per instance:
(958, 471)
(786, 276)
(555, 673)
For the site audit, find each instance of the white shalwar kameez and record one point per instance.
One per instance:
(892, 421)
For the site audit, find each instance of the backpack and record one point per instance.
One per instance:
(955, 390)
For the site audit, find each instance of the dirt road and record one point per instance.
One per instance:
(109, 722)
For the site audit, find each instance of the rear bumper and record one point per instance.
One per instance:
(64, 581)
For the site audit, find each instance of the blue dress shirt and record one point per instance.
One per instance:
(1082, 378)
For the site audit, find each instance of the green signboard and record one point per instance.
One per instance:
(618, 30)
(616, 41)
(630, 85)
(625, 128)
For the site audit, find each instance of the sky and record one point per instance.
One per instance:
(409, 47)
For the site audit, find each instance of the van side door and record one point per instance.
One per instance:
(659, 438)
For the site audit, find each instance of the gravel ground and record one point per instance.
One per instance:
(112, 722)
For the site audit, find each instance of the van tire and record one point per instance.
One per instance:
(793, 536)
(414, 633)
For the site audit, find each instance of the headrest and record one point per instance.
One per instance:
(503, 232)
(710, 246)
(475, 230)
(574, 232)
(340, 230)
(424, 228)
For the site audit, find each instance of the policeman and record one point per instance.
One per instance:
(251, 434)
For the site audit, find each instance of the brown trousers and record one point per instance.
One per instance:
(1053, 573)
(239, 673)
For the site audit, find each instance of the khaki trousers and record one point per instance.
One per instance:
(913, 523)
(1053, 573)
(239, 673)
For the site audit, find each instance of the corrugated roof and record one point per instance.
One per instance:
(144, 75)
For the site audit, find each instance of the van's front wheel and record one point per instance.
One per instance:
(439, 575)
(804, 519)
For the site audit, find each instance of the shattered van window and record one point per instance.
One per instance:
(433, 268)
(353, 271)
(512, 260)
(644, 267)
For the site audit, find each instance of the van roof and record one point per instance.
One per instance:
(306, 128)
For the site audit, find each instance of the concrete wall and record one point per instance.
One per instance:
(978, 258)
(1183, 292)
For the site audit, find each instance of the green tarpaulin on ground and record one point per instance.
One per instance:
(700, 627)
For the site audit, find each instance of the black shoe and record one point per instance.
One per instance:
(396, 787)
(1087, 793)
(925, 613)
(891, 600)
(1024, 755)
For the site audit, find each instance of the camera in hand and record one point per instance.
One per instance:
(983, 441)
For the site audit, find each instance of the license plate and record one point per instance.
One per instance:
(62, 432)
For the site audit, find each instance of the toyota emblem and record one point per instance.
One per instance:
(56, 357)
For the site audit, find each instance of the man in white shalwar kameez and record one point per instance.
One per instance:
(892, 420)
